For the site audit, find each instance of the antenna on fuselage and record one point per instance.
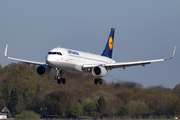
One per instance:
(59, 46)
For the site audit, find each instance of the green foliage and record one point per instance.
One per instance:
(173, 104)
(137, 108)
(13, 101)
(23, 91)
(58, 102)
(19, 86)
(2, 100)
(100, 93)
(113, 105)
(28, 115)
(157, 103)
(102, 106)
(125, 94)
(89, 106)
(122, 111)
(76, 109)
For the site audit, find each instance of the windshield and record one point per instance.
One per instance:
(55, 53)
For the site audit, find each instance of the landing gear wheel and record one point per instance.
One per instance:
(63, 80)
(59, 80)
(100, 81)
(96, 81)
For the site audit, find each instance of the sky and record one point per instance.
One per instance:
(144, 30)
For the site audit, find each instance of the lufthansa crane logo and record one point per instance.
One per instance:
(110, 43)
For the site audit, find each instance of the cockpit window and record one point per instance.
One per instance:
(55, 53)
(59, 53)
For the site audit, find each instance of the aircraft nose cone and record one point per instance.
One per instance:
(48, 59)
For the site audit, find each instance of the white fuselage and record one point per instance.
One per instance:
(74, 60)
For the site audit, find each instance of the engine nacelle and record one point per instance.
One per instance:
(99, 71)
(43, 70)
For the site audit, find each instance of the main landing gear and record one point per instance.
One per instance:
(59, 79)
(98, 80)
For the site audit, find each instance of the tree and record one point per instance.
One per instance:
(89, 107)
(76, 109)
(157, 104)
(13, 101)
(28, 115)
(176, 90)
(137, 107)
(122, 111)
(58, 102)
(23, 89)
(125, 94)
(113, 106)
(2, 100)
(173, 104)
(101, 106)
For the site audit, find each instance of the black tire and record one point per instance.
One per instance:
(63, 80)
(96, 81)
(100, 81)
(59, 81)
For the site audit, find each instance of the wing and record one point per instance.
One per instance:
(128, 64)
(21, 60)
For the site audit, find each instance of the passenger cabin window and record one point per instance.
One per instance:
(55, 53)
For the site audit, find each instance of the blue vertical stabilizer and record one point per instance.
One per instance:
(109, 46)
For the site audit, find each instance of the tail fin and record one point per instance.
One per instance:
(109, 46)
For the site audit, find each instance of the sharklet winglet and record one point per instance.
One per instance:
(5, 52)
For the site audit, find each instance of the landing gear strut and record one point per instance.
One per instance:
(59, 79)
(98, 80)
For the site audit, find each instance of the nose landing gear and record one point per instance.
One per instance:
(59, 79)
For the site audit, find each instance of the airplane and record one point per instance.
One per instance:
(61, 59)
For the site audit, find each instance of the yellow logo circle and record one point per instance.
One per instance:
(110, 43)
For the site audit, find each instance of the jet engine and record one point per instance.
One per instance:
(99, 71)
(43, 70)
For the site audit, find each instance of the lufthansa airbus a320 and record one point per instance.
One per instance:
(66, 59)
